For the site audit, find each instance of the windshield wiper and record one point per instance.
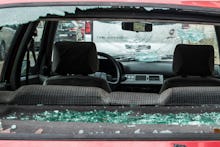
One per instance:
(167, 57)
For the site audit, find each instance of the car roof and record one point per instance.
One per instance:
(188, 3)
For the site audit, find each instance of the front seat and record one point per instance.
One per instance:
(73, 62)
(193, 65)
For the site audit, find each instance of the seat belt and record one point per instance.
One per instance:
(28, 66)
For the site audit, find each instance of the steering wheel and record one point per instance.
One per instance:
(117, 67)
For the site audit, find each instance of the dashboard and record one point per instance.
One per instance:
(143, 76)
(152, 68)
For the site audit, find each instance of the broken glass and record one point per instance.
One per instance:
(116, 117)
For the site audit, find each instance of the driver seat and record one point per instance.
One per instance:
(73, 62)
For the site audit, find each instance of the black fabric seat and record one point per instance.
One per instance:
(73, 62)
(193, 66)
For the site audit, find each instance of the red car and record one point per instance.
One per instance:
(143, 73)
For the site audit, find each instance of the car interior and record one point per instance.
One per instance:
(81, 65)
(83, 75)
(193, 79)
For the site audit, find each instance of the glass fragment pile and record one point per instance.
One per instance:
(116, 117)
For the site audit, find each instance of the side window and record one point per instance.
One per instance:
(31, 55)
(6, 36)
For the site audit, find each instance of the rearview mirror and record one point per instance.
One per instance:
(137, 26)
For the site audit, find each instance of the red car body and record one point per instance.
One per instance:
(196, 143)
(9, 143)
(197, 3)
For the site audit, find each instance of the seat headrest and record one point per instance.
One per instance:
(75, 58)
(194, 60)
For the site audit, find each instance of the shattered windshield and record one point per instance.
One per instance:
(156, 45)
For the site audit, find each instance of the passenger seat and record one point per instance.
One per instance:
(193, 66)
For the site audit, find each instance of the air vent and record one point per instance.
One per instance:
(140, 78)
(154, 78)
